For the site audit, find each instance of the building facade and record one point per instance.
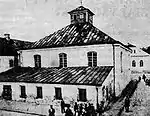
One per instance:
(6, 63)
(81, 64)
(80, 44)
(8, 52)
(140, 63)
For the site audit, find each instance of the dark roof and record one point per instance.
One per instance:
(67, 75)
(81, 8)
(146, 49)
(10, 47)
(19, 44)
(7, 48)
(75, 34)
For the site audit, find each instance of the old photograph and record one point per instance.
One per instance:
(74, 58)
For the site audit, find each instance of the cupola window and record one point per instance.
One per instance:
(81, 16)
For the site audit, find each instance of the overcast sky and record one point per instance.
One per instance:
(124, 20)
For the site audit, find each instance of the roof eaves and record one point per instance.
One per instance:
(126, 47)
(54, 46)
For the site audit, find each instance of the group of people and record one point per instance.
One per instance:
(68, 111)
(79, 110)
(84, 110)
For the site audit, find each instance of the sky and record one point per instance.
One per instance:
(125, 20)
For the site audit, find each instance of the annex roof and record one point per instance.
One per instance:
(66, 75)
(10, 47)
(75, 35)
(19, 44)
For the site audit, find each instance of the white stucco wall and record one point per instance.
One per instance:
(107, 83)
(4, 62)
(122, 77)
(146, 63)
(69, 92)
(138, 55)
(76, 56)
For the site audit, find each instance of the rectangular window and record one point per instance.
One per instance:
(58, 94)
(82, 95)
(39, 92)
(92, 59)
(23, 91)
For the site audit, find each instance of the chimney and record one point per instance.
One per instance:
(7, 36)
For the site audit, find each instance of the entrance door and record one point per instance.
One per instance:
(7, 92)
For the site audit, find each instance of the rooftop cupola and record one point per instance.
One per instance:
(81, 15)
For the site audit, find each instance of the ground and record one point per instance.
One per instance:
(10, 113)
(139, 101)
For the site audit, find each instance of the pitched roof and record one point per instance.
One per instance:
(19, 44)
(10, 47)
(81, 8)
(7, 48)
(74, 34)
(66, 75)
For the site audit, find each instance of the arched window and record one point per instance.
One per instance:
(141, 63)
(37, 60)
(11, 63)
(133, 63)
(63, 60)
(92, 58)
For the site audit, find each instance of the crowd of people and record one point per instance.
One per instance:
(82, 109)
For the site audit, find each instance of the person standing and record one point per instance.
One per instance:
(51, 111)
(62, 106)
(93, 113)
(75, 108)
(89, 110)
(127, 103)
(80, 110)
(100, 109)
(68, 111)
(86, 109)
